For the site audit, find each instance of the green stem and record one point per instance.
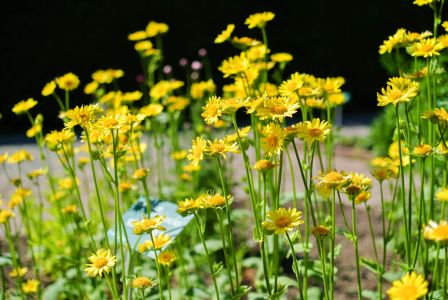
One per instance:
(355, 237)
(296, 266)
(159, 273)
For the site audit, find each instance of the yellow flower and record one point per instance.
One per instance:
(91, 88)
(320, 231)
(179, 155)
(263, 165)
(100, 263)
(198, 89)
(5, 215)
(140, 174)
(196, 153)
(422, 150)
(69, 209)
(152, 110)
(422, 2)
(67, 82)
(163, 88)
(154, 28)
(425, 48)
(242, 133)
(290, 86)
(82, 115)
(189, 206)
(35, 129)
(357, 183)
(436, 232)
(166, 258)
(143, 282)
(220, 147)
(125, 186)
(3, 158)
(55, 139)
(31, 286)
(235, 65)
(112, 121)
(442, 195)
(411, 287)
(48, 88)
(213, 201)
(19, 157)
(257, 52)
(36, 173)
(225, 35)
(24, 106)
(107, 76)
(245, 41)
(395, 96)
(143, 46)
(160, 241)
(362, 197)
(18, 272)
(259, 19)
(332, 179)
(281, 57)
(137, 36)
(277, 108)
(273, 137)
(383, 168)
(282, 220)
(311, 131)
(147, 225)
(176, 103)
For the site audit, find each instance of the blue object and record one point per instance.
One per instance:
(174, 222)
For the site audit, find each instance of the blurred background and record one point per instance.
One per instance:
(42, 40)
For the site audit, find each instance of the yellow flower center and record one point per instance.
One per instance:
(333, 177)
(315, 132)
(394, 95)
(279, 109)
(282, 222)
(427, 48)
(100, 262)
(408, 291)
(217, 148)
(272, 141)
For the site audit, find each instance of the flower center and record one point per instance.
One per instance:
(427, 48)
(279, 109)
(394, 95)
(333, 177)
(100, 262)
(282, 222)
(272, 141)
(314, 132)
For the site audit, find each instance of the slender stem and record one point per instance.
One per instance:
(296, 266)
(210, 264)
(224, 248)
(229, 224)
(355, 240)
(159, 273)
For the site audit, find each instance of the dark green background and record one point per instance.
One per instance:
(44, 39)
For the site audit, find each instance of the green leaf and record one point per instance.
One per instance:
(53, 291)
(371, 265)
(350, 236)
(213, 245)
(314, 293)
(373, 295)
(217, 266)
(5, 261)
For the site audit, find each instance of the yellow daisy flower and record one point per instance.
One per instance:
(263, 165)
(225, 35)
(100, 263)
(212, 110)
(24, 106)
(235, 65)
(18, 272)
(82, 115)
(48, 88)
(425, 48)
(277, 108)
(282, 220)
(422, 2)
(198, 89)
(442, 195)
(320, 231)
(273, 137)
(166, 258)
(220, 147)
(5, 215)
(142, 282)
(281, 57)
(147, 225)
(19, 157)
(31, 286)
(314, 130)
(137, 36)
(189, 206)
(332, 179)
(67, 82)
(436, 232)
(196, 153)
(411, 287)
(155, 28)
(259, 19)
(160, 241)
